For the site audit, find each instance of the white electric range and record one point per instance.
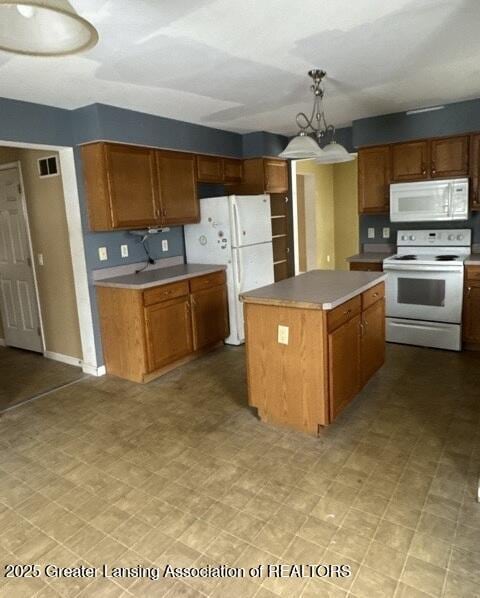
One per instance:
(424, 288)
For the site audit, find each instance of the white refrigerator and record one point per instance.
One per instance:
(234, 230)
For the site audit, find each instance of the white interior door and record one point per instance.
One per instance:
(251, 219)
(18, 299)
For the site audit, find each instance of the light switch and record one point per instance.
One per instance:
(386, 232)
(102, 254)
(283, 335)
(124, 250)
(371, 233)
(164, 244)
(40, 259)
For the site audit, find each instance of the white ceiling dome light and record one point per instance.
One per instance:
(303, 146)
(44, 28)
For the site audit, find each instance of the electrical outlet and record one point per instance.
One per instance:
(386, 232)
(283, 335)
(124, 250)
(371, 233)
(102, 254)
(40, 259)
(164, 244)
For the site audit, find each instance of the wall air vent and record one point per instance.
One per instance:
(48, 167)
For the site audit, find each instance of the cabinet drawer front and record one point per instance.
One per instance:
(341, 314)
(366, 266)
(472, 273)
(164, 292)
(207, 281)
(373, 295)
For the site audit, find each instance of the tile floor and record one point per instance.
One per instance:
(181, 472)
(24, 374)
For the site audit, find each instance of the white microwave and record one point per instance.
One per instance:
(429, 201)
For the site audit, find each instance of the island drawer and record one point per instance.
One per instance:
(164, 292)
(341, 314)
(373, 295)
(208, 280)
(472, 273)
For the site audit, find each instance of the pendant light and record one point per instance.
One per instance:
(302, 146)
(44, 28)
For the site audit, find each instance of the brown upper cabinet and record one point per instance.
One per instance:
(449, 157)
(475, 171)
(132, 187)
(430, 159)
(263, 175)
(410, 161)
(374, 179)
(120, 185)
(213, 169)
(177, 187)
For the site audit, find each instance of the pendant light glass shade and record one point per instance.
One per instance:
(333, 153)
(301, 147)
(44, 28)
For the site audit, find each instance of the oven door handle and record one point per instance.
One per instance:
(400, 269)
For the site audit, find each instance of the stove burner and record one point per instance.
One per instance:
(446, 258)
(406, 257)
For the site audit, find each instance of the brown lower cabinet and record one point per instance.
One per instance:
(356, 346)
(148, 332)
(471, 308)
(366, 266)
(305, 380)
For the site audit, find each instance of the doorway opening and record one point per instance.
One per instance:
(325, 214)
(42, 290)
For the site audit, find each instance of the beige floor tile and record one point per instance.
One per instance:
(465, 564)
(423, 576)
(331, 557)
(152, 544)
(406, 591)
(349, 544)
(302, 551)
(393, 535)
(273, 539)
(459, 587)
(385, 560)
(317, 531)
(370, 583)
(199, 535)
(430, 549)
(226, 548)
(361, 523)
(438, 527)
(317, 588)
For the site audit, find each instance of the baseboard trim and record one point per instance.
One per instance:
(94, 370)
(2, 342)
(68, 359)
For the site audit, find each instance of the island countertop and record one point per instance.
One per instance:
(158, 276)
(317, 289)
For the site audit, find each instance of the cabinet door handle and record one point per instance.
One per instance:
(469, 292)
(424, 169)
(362, 329)
(346, 312)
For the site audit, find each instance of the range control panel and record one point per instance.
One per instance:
(440, 238)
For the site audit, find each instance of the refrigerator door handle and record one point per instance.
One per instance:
(239, 270)
(236, 223)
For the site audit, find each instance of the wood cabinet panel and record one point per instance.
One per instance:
(475, 171)
(374, 180)
(177, 187)
(169, 332)
(281, 271)
(449, 157)
(472, 273)
(209, 316)
(366, 266)
(120, 186)
(232, 170)
(410, 161)
(341, 314)
(164, 292)
(372, 340)
(373, 295)
(276, 176)
(471, 312)
(344, 365)
(208, 280)
(210, 169)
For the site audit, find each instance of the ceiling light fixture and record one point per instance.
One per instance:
(303, 145)
(44, 28)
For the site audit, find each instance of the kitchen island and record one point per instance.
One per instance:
(313, 341)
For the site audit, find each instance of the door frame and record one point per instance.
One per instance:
(71, 199)
(17, 165)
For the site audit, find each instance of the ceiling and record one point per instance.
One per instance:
(241, 65)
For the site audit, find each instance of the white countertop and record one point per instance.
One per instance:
(317, 289)
(159, 276)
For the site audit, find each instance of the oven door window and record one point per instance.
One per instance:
(420, 291)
